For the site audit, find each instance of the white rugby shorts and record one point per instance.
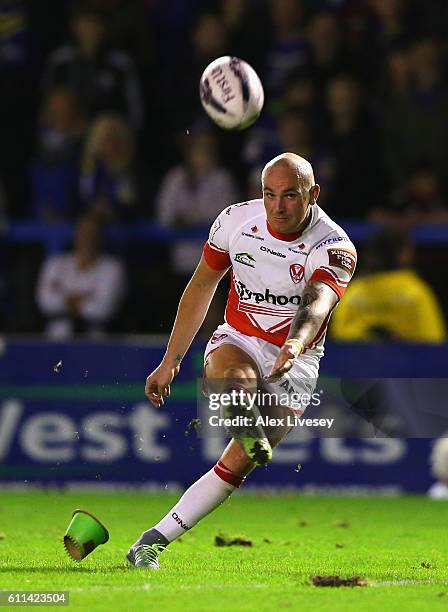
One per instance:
(294, 389)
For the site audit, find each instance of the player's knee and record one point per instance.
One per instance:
(240, 373)
(235, 373)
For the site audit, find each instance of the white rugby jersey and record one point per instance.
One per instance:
(270, 270)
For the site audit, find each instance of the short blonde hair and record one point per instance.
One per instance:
(100, 129)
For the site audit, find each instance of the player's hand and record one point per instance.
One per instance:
(285, 359)
(158, 383)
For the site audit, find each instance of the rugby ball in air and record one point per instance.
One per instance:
(231, 93)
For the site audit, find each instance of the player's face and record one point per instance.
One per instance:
(286, 201)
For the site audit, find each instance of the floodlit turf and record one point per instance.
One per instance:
(383, 540)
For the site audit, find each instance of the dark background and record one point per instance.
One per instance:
(359, 85)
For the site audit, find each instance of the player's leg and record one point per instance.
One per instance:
(216, 485)
(200, 499)
(230, 369)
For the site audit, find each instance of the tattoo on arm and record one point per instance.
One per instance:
(317, 302)
(178, 358)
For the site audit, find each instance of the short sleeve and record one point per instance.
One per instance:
(332, 262)
(216, 249)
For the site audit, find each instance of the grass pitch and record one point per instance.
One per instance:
(399, 545)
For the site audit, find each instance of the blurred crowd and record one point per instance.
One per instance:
(101, 124)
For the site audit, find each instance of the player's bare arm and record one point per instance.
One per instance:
(192, 310)
(317, 302)
(275, 280)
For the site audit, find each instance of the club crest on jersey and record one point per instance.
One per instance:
(246, 259)
(254, 229)
(296, 271)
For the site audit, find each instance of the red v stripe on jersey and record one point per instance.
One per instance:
(280, 325)
(241, 316)
(255, 322)
(274, 328)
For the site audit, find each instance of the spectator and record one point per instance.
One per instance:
(439, 469)
(392, 22)
(80, 291)
(350, 135)
(293, 131)
(388, 300)
(300, 91)
(414, 124)
(328, 56)
(104, 80)
(55, 171)
(14, 40)
(247, 27)
(297, 134)
(359, 84)
(193, 194)
(263, 139)
(179, 96)
(61, 127)
(294, 134)
(419, 200)
(288, 48)
(397, 74)
(108, 179)
(372, 28)
(130, 27)
(390, 94)
(17, 106)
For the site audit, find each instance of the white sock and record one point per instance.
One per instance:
(206, 494)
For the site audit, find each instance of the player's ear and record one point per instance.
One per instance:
(314, 193)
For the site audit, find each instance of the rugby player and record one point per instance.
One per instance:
(290, 264)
